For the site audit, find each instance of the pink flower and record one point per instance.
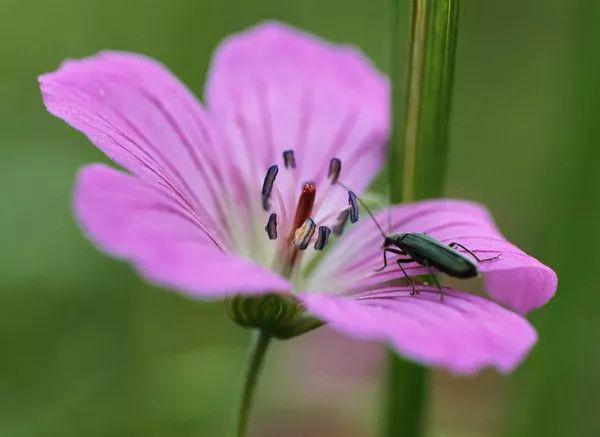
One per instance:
(191, 210)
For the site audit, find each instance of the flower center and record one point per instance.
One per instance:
(296, 235)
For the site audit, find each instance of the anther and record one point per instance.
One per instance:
(271, 227)
(353, 207)
(340, 222)
(304, 233)
(268, 186)
(322, 238)
(335, 168)
(288, 159)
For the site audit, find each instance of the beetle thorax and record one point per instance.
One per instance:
(393, 240)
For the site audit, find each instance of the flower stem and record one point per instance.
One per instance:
(421, 97)
(258, 348)
(406, 388)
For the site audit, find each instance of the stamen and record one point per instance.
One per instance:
(304, 233)
(341, 221)
(328, 218)
(305, 204)
(268, 186)
(335, 168)
(288, 159)
(282, 211)
(353, 207)
(322, 238)
(271, 227)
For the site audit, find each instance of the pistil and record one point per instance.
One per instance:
(301, 218)
(304, 208)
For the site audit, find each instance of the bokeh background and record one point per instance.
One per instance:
(87, 348)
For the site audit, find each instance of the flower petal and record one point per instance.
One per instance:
(514, 278)
(143, 118)
(136, 220)
(462, 333)
(274, 88)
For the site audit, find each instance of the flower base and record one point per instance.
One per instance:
(280, 315)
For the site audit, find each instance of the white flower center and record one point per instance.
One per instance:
(290, 237)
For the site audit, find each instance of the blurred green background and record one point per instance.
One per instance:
(87, 348)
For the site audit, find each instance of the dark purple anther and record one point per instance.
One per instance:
(340, 222)
(271, 227)
(335, 168)
(322, 238)
(304, 233)
(288, 159)
(353, 204)
(268, 186)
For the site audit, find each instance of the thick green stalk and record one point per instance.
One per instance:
(417, 159)
(405, 397)
(257, 353)
(421, 104)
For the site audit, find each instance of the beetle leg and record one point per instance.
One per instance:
(435, 280)
(412, 283)
(385, 251)
(384, 261)
(454, 244)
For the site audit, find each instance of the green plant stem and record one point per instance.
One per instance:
(260, 342)
(421, 103)
(417, 160)
(406, 389)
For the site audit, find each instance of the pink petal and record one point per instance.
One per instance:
(514, 279)
(463, 333)
(142, 117)
(274, 88)
(136, 220)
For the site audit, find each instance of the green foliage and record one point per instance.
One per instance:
(556, 391)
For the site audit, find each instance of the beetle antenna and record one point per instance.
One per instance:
(389, 212)
(364, 205)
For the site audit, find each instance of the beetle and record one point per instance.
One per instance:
(427, 251)
(420, 248)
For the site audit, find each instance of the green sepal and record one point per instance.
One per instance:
(283, 316)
